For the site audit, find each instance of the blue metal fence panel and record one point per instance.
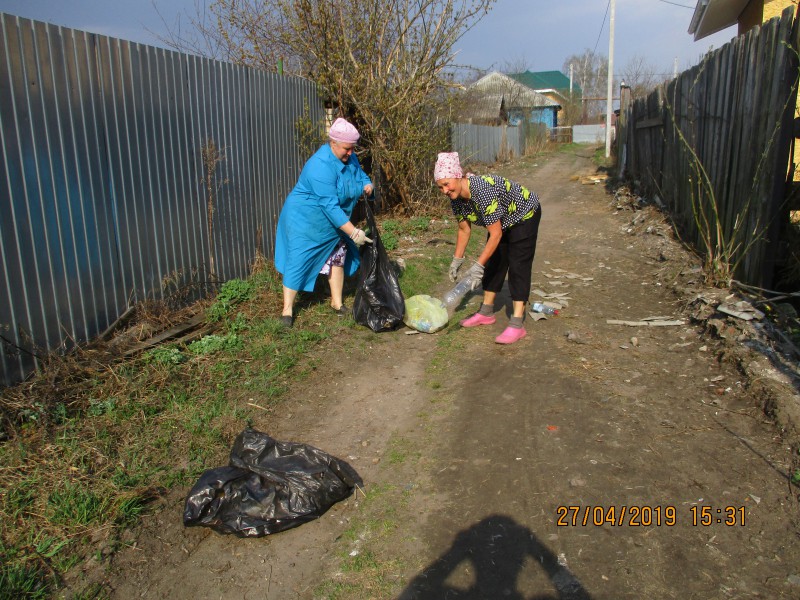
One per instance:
(102, 177)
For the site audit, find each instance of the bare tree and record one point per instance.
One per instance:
(385, 64)
(516, 64)
(590, 71)
(641, 76)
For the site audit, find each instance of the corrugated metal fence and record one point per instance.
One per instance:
(487, 144)
(727, 120)
(103, 196)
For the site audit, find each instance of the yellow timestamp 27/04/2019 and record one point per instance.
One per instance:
(647, 516)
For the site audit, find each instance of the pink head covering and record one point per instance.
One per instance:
(447, 166)
(342, 131)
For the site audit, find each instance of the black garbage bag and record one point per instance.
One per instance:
(378, 302)
(268, 487)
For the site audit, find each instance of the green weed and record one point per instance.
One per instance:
(211, 344)
(231, 293)
(101, 407)
(165, 355)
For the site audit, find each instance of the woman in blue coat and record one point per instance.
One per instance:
(315, 235)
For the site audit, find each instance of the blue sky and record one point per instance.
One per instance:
(538, 33)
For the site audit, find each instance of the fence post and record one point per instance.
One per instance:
(622, 126)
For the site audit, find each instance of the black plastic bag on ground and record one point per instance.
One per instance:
(269, 486)
(378, 302)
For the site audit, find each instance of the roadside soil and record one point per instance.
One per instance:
(476, 451)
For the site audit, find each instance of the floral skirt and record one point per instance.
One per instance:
(336, 259)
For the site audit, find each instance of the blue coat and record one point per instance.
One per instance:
(308, 227)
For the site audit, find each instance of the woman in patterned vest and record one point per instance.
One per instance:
(511, 214)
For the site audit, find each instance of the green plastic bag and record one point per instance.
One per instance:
(425, 314)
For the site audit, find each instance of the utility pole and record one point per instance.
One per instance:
(570, 80)
(610, 106)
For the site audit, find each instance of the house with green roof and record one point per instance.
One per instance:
(553, 84)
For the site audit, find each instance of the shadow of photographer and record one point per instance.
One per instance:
(496, 549)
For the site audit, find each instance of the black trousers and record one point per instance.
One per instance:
(514, 256)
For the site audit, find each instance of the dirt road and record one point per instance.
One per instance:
(503, 472)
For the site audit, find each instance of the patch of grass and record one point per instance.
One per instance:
(337, 590)
(75, 504)
(400, 450)
(22, 580)
(570, 148)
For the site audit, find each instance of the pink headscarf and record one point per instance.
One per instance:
(342, 131)
(447, 166)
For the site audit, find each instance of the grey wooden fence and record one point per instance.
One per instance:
(101, 177)
(487, 144)
(727, 121)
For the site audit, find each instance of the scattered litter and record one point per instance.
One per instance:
(646, 323)
(592, 179)
(552, 428)
(678, 346)
(562, 559)
(574, 338)
(741, 310)
(634, 341)
(756, 499)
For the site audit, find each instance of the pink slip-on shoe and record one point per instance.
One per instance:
(478, 319)
(511, 335)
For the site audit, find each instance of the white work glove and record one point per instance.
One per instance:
(455, 265)
(359, 237)
(475, 275)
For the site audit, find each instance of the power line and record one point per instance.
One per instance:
(676, 4)
(601, 28)
(594, 52)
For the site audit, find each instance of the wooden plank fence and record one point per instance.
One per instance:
(714, 145)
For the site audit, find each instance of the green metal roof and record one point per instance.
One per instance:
(546, 80)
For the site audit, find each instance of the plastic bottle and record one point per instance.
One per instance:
(543, 308)
(453, 298)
